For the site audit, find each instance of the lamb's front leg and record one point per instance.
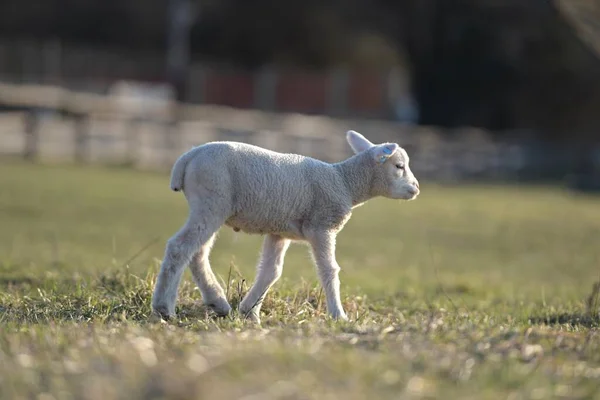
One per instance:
(323, 248)
(269, 271)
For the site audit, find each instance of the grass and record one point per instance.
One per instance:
(468, 292)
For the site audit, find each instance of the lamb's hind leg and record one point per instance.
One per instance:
(178, 253)
(269, 271)
(212, 293)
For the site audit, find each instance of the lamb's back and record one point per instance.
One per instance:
(269, 190)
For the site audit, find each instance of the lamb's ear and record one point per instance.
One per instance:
(384, 151)
(358, 142)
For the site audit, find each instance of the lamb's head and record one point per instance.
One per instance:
(392, 176)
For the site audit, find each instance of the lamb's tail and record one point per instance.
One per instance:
(178, 171)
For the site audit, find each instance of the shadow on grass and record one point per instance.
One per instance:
(590, 318)
(26, 284)
(23, 279)
(116, 296)
(18, 282)
(78, 311)
(587, 320)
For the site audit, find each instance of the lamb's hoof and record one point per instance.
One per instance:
(252, 316)
(162, 312)
(339, 316)
(220, 307)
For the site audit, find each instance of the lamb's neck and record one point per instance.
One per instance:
(358, 177)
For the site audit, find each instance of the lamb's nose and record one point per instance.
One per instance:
(416, 183)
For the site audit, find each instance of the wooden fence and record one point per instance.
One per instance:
(52, 123)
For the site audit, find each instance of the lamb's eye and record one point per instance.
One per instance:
(400, 166)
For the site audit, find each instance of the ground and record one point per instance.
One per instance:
(468, 292)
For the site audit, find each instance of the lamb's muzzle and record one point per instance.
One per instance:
(284, 196)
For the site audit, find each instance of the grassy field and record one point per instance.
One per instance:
(468, 292)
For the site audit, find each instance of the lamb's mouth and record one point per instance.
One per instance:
(408, 196)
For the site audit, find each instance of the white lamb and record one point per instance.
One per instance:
(284, 196)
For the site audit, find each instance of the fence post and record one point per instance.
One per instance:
(338, 92)
(197, 84)
(131, 133)
(180, 21)
(172, 141)
(265, 83)
(31, 121)
(4, 64)
(81, 137)
(29, 57)
(52, 62)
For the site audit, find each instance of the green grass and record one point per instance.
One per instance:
(468, 292)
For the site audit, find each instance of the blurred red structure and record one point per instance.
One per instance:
(229, 89)
(302, 92)
(351, 94)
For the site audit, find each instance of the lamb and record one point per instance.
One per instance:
(286, 197)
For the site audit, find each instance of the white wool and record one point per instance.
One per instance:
(283, 196)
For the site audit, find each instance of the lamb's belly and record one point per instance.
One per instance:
(289, 229)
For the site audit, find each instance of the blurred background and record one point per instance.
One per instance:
(500, 90)
(487, 286)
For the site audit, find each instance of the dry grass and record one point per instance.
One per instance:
(470, 292)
